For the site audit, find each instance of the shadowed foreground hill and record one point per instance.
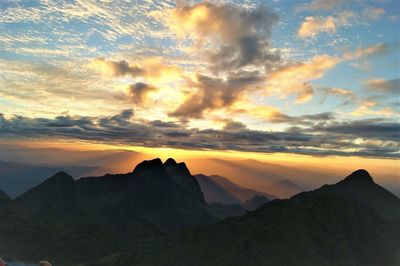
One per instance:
(354, 222)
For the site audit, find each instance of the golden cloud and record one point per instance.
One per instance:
(295, 77)
(312, 26)
(366, 109)
(366, 51)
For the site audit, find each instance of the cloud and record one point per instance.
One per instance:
(294, 77)
(214, 93)
(366, 106)
(381, 85)
(138, 92)
(317, 5)
(152, 68)
(234, 125)
(232, 37)
(366, 128)
(115, 69)
(373, 13)
(328, 138)
(312, 26)
(348, 95)
(366, 51)
(274, 115)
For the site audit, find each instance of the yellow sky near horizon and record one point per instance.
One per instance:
(341, 165)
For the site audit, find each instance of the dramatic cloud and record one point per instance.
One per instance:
(233, 37)
(214, 93)
(312, 26)
(330, 138)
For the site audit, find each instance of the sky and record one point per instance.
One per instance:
(274, 78)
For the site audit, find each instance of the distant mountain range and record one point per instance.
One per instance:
(283, 188)
(218, 189)
(159, 214)
(16, 178)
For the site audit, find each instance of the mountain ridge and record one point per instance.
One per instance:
(326, 226)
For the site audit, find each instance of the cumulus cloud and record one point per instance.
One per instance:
(214, 93)
(312, 26)
(238, 37)
(329, 138)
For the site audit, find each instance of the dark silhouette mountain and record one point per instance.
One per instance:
(282, 189)
(348, 223)
(4, 197)
(155, 198)
(360, 187)
(94, 216)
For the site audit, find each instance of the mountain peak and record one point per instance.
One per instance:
(170, 162)
(360, 175)
(149, 164)
(62, 176)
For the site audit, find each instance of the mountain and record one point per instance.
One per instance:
(348, 223)
(155, 198)
(16, 178)
(68, 221)
(220, 191)
(214, 192)
(4, 197)
(282, 189)
(254, 202)
(241, 193)
(360, 187)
